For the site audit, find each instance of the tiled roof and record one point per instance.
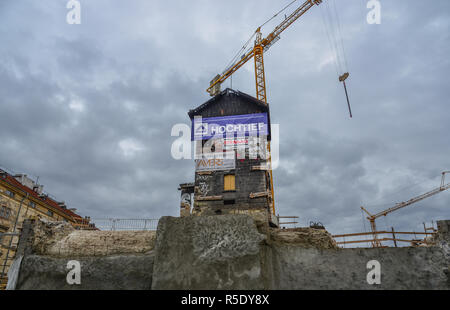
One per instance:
(6, 177)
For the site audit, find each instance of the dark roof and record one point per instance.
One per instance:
(228, 92)
(5, 176)
(186, 186)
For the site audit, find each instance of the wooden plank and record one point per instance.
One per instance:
(372, 240)
(204, 172)
(209, 198)
(381, 232)
(258, 195)
(260, 168)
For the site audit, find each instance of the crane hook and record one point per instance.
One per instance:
(342, 79)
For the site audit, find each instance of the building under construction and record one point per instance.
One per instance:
(230, 132)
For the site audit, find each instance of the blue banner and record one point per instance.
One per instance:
(230, 126)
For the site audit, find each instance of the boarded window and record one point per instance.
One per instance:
(229, 182)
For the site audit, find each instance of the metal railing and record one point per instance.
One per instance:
(291, 220)
(118, 224)
(392, 238)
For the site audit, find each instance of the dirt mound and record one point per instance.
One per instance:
(304, 236)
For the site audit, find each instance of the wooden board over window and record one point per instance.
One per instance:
(229, 182)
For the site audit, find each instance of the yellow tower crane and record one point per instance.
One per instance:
(373, 217)
(261, 45)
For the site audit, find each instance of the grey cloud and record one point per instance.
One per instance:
(135, 68)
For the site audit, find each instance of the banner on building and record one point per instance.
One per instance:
(226, 161)
(230, 126)
(233, 144)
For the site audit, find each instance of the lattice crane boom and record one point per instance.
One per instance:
(400, 205)
(272, 37)
(261, 45)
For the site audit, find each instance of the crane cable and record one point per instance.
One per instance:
(364, 224)
(326, 28)
(340, 35)
(276, 14)
(333, 30)
(398, 191)
(244, 47)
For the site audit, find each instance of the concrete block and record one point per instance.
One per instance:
(208, 252)
(121, 272)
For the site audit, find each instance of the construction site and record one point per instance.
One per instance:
(230, 233)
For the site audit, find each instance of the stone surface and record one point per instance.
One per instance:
(304, 237)
(443, 237)
(297, 267)
(228, 252)
(210, 252)
(121, 272)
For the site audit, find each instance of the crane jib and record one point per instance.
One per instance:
(264, 44)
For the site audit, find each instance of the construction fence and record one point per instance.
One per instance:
(118, 224)
(386, 239)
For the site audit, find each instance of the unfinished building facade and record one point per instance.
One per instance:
(230, 132)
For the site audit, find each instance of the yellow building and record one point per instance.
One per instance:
(21, 198)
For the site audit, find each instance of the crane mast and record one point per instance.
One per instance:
(373, 217)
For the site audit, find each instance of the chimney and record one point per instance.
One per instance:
(25, 180)
(38, 188)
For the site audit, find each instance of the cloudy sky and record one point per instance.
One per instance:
(89, 108)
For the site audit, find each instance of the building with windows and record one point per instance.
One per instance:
(22, 198)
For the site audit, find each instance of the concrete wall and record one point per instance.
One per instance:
(211, 252)
(401, 268)
(116, 272)
(231, 252)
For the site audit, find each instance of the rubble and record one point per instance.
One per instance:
(304, 237)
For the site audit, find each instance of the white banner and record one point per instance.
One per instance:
(216, 163)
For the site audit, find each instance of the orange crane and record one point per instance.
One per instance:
(261, 45)
(373, 217)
